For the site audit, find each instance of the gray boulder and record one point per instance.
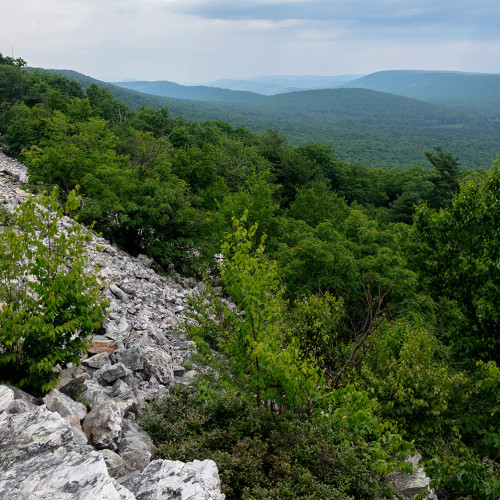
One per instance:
(159, 364)
(6, 397)
(167, 479)
(411, 485)
(71, 410)
(135, 460)
(39, 459)
(97, 361)
(134, 438)
(109, 373)
(114, 463)
(121, 390)
(103, 426)
(131, 358)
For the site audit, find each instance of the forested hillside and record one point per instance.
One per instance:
(367, 324)
(193, 93)
(373, 128)
(469, 91)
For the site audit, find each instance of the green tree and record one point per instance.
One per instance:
(265, 360)
(10, 61)
(456, 252)
(446, 176)
(318, 203)
(50, 297)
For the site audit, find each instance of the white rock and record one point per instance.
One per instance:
(167, 479)
(6, 397)
(71, 410)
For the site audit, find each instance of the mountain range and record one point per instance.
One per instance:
(385, 119)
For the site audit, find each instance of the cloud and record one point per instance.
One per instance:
(202, 40)
(372, 18)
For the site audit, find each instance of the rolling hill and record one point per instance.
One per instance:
(363, 125)
(471, 91)
(193, 93)
(271, 85)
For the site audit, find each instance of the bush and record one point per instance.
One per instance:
(50, 300)
(261, 454)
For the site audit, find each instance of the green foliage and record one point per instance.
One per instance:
(315, 324)
(10, 61)
(460, 471)
(50, 296)
(482, 430)
(256, 197)
(263, 359)
(108, 108)
(71, 151)
(415, 388)
(446, 176)
(318, 203)
(456, 251)
(260, 454)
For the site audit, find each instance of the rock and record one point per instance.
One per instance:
(134, 438)
(18, 406)
(71, 410)
(145, 261)
(69, 374)
(39, 459)
(178, 370)
(114, 463)
(79, 437)
(411, 485)
(20, 394)
(167, 479)
(6, 397)
(103, 426)
(93, 394)
(75, 387)
(115, 331)
(158, 364)
(187, 378)
(121, 390)
(131, 357)
(110, 372)
(102, 346)
(118, 293)
(97, 361)
(135, 460)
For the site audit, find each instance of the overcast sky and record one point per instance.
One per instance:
(198, 41)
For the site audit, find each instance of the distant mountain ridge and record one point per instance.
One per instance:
(194, 93)
(478, 92)
(271, 85)
(471, 91)
(363, 125)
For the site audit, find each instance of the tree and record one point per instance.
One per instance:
(50, 297)
(266, 360)
(10, 61)
(456, 252)
(446, 176)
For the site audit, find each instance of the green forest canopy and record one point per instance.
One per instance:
(376, 289)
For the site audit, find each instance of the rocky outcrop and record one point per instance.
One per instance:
(87, 424)
(411, 485)
(41, 458)
(173, 479)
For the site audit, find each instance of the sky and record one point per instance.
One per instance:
(200, 41)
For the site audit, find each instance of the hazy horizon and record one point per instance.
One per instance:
(199, 41)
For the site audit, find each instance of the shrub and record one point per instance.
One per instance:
(261, 454)
(50, 298)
